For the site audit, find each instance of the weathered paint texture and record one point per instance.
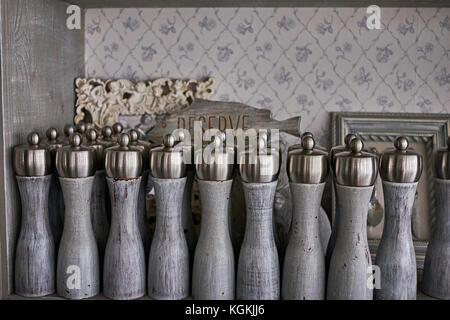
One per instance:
(334, 228)
(168, 266)
(258, 274)
(436, 270)
(124, 266)
(144, 228)
(56, 209)
(78, 268)
(35, 251)
(187, 220)
(304, 262)
(213, 274)
(99, 215)
(396, 257)
(350, 260)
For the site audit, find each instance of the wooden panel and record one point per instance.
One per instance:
(40, 60)
(257, 3)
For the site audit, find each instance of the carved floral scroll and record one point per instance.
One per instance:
(100, 103)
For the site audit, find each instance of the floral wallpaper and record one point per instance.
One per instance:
(293, 61)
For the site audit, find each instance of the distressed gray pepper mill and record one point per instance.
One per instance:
(400, 170)
(99, 216)
(350, 267)
(55, 199)
(35, 249)
(335, 220)
(168, 266)
(124, 266)
(213, 274)
(144, 228)
(258, 273)
(304, 261)
(187, 220)
(78, 268)
(436, 270)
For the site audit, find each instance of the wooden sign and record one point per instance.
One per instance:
(222, 115)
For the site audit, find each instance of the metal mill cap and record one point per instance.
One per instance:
(401, 164)
(166, 161)
(215, 162)
(142, 145)
(98, 147)
(307, 165)
(106, 137)
(299, 145)
(74, 160)
(442, 162)
(355, 168)
(32, 159)
(261, 164)
(341, 148)
(117, 129)
(123, 161)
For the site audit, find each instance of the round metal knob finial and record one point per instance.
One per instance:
(124, 140)
(107, 131)
(117, 128)
(356, 145)
(308, 143)
(75, 139)
(401, 143)
(52, 134)
(307, 134)
(134, 136)
(69, 130)
(92, 134)
(348, 138)
(81, 127)
(169, 141)
(33, 139)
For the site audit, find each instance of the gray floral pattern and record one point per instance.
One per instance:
(292, 61)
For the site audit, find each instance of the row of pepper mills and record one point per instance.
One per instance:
(258, 270)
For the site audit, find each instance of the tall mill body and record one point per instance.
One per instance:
(78, 268)
(168, 266)
(124, 266)
(350, 266)
(213, 275)
(436, 270)
(304, 261)
(400, 170)
(35, 250)
(258, 274)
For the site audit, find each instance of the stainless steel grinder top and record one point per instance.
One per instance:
(442, 162)
(166, 161)
(74, 160)
(32, 159)
(98, 146)
(123, 161)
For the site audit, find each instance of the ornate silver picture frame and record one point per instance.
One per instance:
(425, 132)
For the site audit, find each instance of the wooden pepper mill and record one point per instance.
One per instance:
(436, 270)
(124, 266)
(258, 273)
(213, 275)
(143, 225)
(168, 266)
(55, 199)
(35, 249)
(355, 173)
(335, 219)
(400, 170)
(78, 268)
(304, 261)
(99, 215)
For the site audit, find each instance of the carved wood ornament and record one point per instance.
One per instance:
(99, 103)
